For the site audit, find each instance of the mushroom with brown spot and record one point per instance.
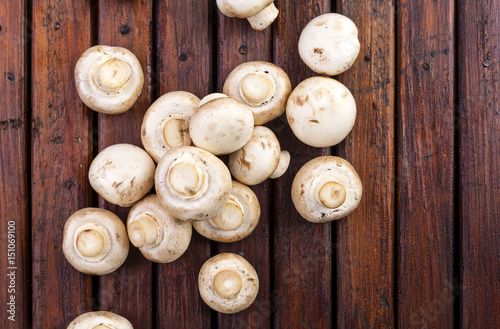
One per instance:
(260, 13)
(100, 320)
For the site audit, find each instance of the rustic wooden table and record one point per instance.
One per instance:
(421, 251)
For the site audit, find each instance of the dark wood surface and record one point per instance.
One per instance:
(421, 251)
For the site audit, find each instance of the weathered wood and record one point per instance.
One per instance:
(366, 239)
(479, 163)
(425, 163)
(60, 157)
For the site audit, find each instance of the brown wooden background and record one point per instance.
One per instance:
(421, 251)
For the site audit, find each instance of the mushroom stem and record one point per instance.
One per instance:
(186, 179)
(143, 231)
(257, 88)
(112, 75)
(90, 243)
(332, 195)
(227, 283)
(231, 216)
(265, 18)
(176, 131)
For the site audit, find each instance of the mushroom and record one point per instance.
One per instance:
(282, 165)
(95, 241)
(192, 183)
(166, 123)
(326, 188)
(108, 79)
(260, 13)
(211, 97)
(329, 44)
(100, 320)
(258, 159)
(236, 220)
(321, 111)
(221, 126)
(263, 86)
(228, 283)
(160, 237)
(122, 174)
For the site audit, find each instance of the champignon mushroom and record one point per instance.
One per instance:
(193, 184)
(325, 189)
(321, 111)
(228, 283)
(329, 44)
(100, 320)
(221, 126)
(161, 237)
(95, 241)
(108, 79)
(258, 159)
(122, 174)
(282, 165)
(260, 13)
(236, 220)
(211, 97)
(263, 86)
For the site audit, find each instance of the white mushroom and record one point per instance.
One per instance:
(122, 174)
(329, 44)
(221, 126)
(263, 86)
(321, 111)
(95, 241)
(236, 220)
(228, 283)
(260, 13)
(325, 189)
(100, 320)
(282, 165)
(166, 123)
(108, 79)
(192, 183)
(258, 159)
(211, 97)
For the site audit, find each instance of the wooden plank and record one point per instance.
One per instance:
(129, 290)
(366, 240)
(184, 59)
(302, 250)
(425, 163)
(478, 88)
(15, 295)
(60, 157)
(238, 43)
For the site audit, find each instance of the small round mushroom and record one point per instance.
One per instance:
(236, 220)
(263, 86)
(258, 159)
(325, 189)
(221, 126)
(95, 241)
(161, 237)
(329, 44)
(108, 79)
(211, 97)
(192, 183)
(100, 320)
(260, 13)
(166, 123)
(228, 283)
(321, 111)
(282, 165)
(122, 174)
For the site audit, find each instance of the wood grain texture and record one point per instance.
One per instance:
(60, 157)
(15, 294)
(425, 163)
(129, 290)
(478, 94)
(302, 285)
(366, 239)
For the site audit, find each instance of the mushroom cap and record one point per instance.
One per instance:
(171, 236)
(320, 184)
(321, 111)
(122, 174)
(92, 320)
(193, 184)
(282, 165)
(221, 126)
(263, 86)
(95, 241)
(122, 75)
(236, 220)
(166, 123)
(242, 8)
(211, 97)
(228, 283)
(329, 44)
(257, 160)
